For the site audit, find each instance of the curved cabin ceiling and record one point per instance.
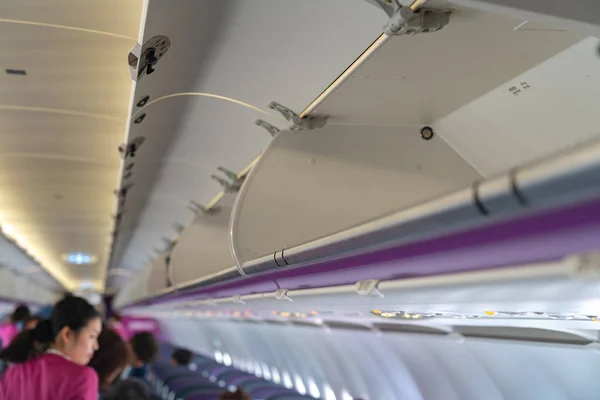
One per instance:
(62, 117)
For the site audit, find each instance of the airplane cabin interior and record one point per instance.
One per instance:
(334, 200)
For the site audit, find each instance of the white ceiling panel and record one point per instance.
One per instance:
(62, 123)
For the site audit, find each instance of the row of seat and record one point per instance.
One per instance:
(209, 379)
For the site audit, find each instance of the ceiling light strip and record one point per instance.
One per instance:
(73, 113)
(65, 27)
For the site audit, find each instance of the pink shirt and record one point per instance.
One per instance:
(49, 377)
(7, 333)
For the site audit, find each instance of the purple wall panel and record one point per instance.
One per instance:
(540, 237)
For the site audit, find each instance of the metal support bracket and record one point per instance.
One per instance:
(143, 59)
(179, 228)
(281, 294)
(228, 187)
(123, 190)
(196, 208)
(272, 129)
(299, 124)
(232, 185)
(169, 244)
(404, 20)
(368, 288)
(118, 217)
(230, 174)
(129, 149)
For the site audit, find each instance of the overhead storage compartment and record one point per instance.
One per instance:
(135, 290)
(311, 184)
(203, 247)
(158, 278)
(373, 176)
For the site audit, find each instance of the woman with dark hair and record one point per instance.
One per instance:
(20, 314)
(113, 355)
(32, 322)
(15, 353)
(60, 373)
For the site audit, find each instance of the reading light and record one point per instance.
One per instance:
(79, 258)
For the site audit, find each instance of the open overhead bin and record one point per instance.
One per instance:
(158, 278)
(375, 174)
(203, 248)
(311, 184)
(136, 289)
(263, 208)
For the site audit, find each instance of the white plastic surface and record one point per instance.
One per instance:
(202, 248)
(311, 184)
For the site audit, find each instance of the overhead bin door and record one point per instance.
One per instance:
(203, 247)
(311, 184)
(158, 279)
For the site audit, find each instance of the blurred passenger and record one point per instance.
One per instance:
(145, 351)
(14, 325)
(60, 373)
(239, 395)
(112, 356)
(20, 315)
(181, 357)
